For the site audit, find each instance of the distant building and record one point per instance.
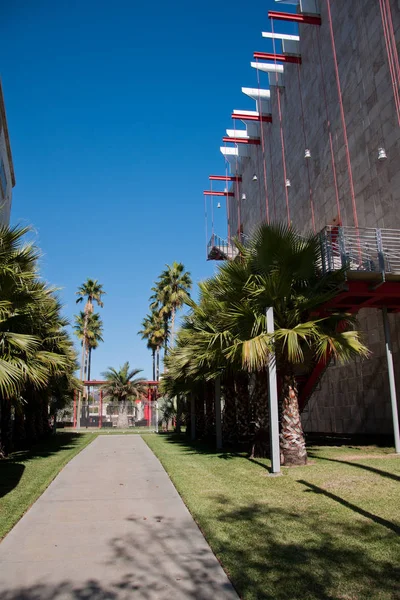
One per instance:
(7, 177)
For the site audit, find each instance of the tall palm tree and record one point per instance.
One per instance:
(92, 291)
(153, 331)
(123, 387)
(94, 334)
(175, 284)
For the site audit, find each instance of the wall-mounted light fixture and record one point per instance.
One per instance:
(219, 205)
(255, 178)
(288, 184)
(307, 153)
(243, 196)
(382, 153)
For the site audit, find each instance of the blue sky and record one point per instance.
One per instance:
(116, 112)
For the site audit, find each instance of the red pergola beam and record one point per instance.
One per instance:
(242, 117)
(101, 382)
(254, 141)
(224, 178)
(297, 18)
(288, 58)
(211, 193)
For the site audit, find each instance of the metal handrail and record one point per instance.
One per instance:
(371, 249)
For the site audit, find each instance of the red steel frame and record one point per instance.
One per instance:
(254, 141)
(224, 178)
(288, 58)
(212, 193)
(151, 387)
(297, 18)
(243, 117)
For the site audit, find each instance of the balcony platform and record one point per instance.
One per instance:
(370, 259)
(220, 249)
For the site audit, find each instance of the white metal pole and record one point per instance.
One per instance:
(392, 383)
(273, 402)
(218, 424)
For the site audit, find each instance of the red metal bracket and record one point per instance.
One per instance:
(211, 193)
(224, 178)
(297, 18)
(288, 58)
(242, 117)
(254, 141)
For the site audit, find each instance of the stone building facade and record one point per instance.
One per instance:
(354, 398)
(7, 177)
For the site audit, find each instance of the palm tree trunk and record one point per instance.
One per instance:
(229, 422)
(6, 428)
(173, 311)
(209, 409)
(122, 421)
(260, 443)
(293, 445)
(243, 406)
(158, 364)
(154, 363)
(200, 417)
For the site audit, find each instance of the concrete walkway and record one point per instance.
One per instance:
(111, 526)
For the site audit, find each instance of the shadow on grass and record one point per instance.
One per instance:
(282, 554)
(357, 465)
(204, 447)
(12, 467)
(365, 513)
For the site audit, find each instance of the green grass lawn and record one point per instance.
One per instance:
(329, 530)
(25, 475)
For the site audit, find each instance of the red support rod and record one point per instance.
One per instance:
(74, 408)
(254, 141)
(243, 117)
(101, 410)
(288, 58)
(212, 193)
(297, 18)
(224, 178)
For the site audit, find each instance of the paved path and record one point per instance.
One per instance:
(111, 526)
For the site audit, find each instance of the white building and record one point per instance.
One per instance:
(7, 177)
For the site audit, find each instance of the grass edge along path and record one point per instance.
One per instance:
(25, 475)
(326, 531)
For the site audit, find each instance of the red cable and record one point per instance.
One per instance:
(227, 203)
(389, 51)
(346, 142)
(212, 209)
(390, 56)
(237, 188)
(206, 224)
(329, 129)
(272, 175)
(305, 146)
(281, 128)
(263, 145)
(394, 45)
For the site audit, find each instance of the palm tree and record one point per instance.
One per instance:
(92, 291)
(153, 332)
(123, 387)
(35, 349)
(175, 284)
(281, 269)
(94, 333)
